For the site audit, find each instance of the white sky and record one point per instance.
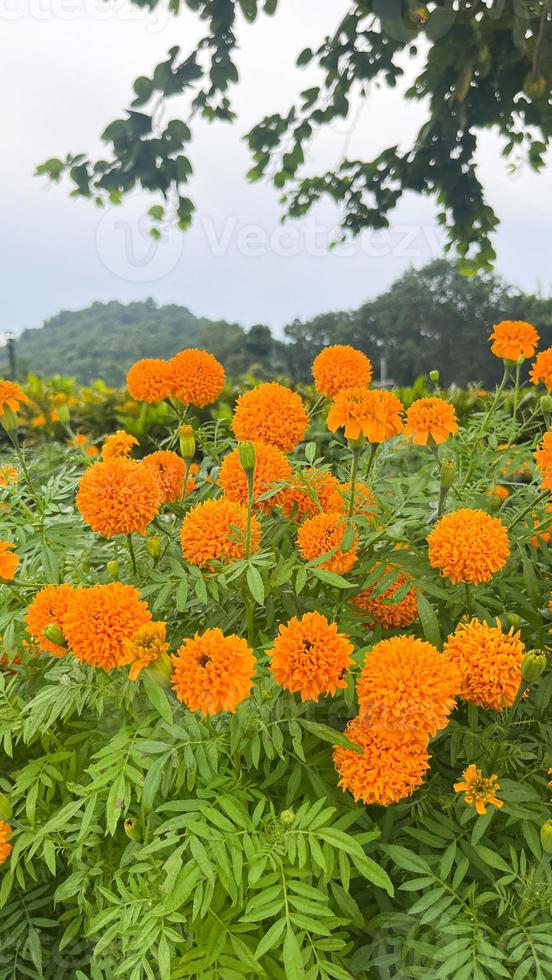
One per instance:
(69, 65)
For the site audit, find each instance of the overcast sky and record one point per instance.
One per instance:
(69, 65)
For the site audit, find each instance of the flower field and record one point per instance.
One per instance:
(274, 682)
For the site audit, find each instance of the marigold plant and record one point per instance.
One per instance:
(469, 546)
(323, 534)
(213, 672)
(373, 413)
(340, 366)
(99, 622)
(407, 684)
(489, 661)
(310, 657)
(271, 470)
(514, 339)
(391, 765)
(270, 413)
(119, 496)
(197, 378)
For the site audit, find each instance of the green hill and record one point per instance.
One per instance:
(429, 317)
(103, 340)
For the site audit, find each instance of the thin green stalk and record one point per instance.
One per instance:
(533, 503)
(185, 484)
(131, 552)
(472, 463)
(469, 608)
(355, 456)
(515, 405)
(249, 476)
(371, 458)
(523, 686)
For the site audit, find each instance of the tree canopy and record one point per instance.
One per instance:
(481, 65)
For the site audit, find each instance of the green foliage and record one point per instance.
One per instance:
(152, 842)
(480, 66)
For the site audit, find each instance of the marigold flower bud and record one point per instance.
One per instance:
(546, 836)
(133, 829)
(513, 620)
(113, 568)
(546, 403)
(153, 546)
(434, 376)
(5, 807)
(9, 419)
(246, 452)
(287, 818)
(55, 635)
(63, 413)
(160, 670)
(448, 472)
(187, 441)
(533, 666)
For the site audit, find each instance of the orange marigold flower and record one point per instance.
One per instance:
(430, 418)
(324, 533)
(80, 441)
(309, 492)
(8, 562)
(541, 369)
(215, 531)
(390, 767)
(118, 444)
(213, 672)
(340, 366)
(119, 496)
(514, 339)
(468, 546)
(489, 662)
(197, 378)
(170, 470)
(270, 413)
(5, 834)
(38, 421)
(11, 396)
(48, 608)
(8, 474)
(479, 790)
(364, 504)
(498, 493)
(310, 657)
(406, 683)
(370, 412)
(540, 538)
(383, 608)
(148, 644)
(543, 459)
(149, 380)
(100, 620)
(271, 468)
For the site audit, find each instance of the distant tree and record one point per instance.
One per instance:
(432, 317)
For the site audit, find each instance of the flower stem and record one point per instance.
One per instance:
(249, 476)
(469, 608)
(355, 456)
(515, 405)
(131, 552)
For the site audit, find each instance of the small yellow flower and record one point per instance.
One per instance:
(479, 789)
